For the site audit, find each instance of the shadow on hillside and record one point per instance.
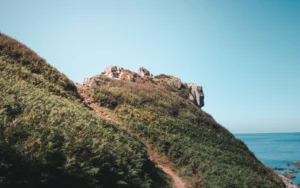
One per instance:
(18, 171)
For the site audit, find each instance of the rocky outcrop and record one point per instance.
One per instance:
(289, 176)
(296, 164)
(113, 72)
(119, 73)
(143, 72)
(196, 94)
(277, 168)
(170, 80)
(294, 171)
(175, 82)
(89, 82)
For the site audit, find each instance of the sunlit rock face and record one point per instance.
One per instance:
(176, 82)
(143, 72)
(196, 94)
(113, 72)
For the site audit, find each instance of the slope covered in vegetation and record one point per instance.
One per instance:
(206, 154)
(48, 138)
(21, 63)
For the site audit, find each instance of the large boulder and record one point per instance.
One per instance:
(143, 72)
(118, 73)
(113, 72)
(196, 94)
(175, 82)
(296, 164)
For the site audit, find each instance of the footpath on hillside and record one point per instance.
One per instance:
(107, 114)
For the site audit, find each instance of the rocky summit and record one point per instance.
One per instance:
(113, 72)
(195, 95)
(143, 72)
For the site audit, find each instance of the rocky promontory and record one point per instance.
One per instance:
(296, 164)
(195, 92)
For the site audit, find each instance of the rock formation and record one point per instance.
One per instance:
(143, 72)
(296, 164)
(196, 94)
(90, 82)
(171, 80)
(289, 176)
(113, 72)
(176, 82)
(118, 73)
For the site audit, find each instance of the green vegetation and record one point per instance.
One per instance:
(206, 153)
(19, 62)
(48, 138)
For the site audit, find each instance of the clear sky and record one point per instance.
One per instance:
(246, 54)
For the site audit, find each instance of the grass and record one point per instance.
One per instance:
(48, 138)
(206, 154)
(20, 62)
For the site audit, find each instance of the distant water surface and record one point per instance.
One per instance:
(275, 149)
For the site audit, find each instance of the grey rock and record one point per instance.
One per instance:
(118, 73)
(143, 72)
(294, 171)
(277, 168)
(176, 82)
(113, 72)
(196, 94)
(296, 164)
(290, 176)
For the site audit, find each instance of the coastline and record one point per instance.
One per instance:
(288, 183)
(278, 151)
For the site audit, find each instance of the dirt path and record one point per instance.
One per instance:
(165, 165)
(177, 181)
(108, 114)
(100, 111)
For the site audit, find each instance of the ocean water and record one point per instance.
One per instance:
(275, 149)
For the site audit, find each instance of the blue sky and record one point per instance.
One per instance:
(246, 54)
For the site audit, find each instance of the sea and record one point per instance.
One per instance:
(276, 150)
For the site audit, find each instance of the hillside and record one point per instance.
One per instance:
(48, 138)
(117, 129)
(159, 111)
